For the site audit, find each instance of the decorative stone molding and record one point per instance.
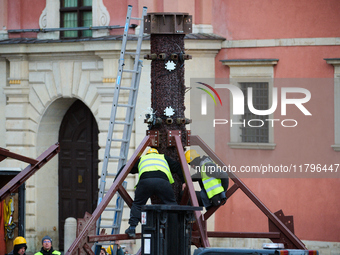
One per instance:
(3, 35)
(336, 63)
(202, 28)
(254, 146)
(14, 81)
(50, 18)
(18, 69)
(249, 62)
(17, 94)
(109, 80)
(281, 42)
(43, 19)
(100, 17)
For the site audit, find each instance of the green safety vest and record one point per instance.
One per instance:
(54, 252)
(154, 162)
(211, 185)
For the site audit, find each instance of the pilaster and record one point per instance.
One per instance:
(336, 63)
(21, 117)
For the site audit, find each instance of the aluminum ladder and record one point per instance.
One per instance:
(111, 154)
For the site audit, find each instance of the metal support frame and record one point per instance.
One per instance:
(286, 236)
(35, 165)
(84, 238)
(278, 230)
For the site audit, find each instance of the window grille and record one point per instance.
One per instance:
(260, 133)
(73, 14)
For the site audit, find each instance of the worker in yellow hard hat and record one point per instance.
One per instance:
(110, 250)
(154, 178)
(190, 155)
(102, 251)
(152, 150)
(213, 180)
(19, 246)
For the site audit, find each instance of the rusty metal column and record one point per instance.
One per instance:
(167, 80)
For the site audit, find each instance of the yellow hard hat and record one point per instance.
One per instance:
(110, 249)
(152, 150)
(190, 155)
(19, 240)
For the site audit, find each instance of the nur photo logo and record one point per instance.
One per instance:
(243, 100)
(204, 97)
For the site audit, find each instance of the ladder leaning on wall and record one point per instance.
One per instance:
(120, 155)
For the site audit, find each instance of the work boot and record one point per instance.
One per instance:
(131, 231)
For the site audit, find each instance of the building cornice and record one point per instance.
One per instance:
(250, 62)
(56, 46)
(256, 43)
(333, 61)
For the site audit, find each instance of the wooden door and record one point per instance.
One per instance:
(78, 165)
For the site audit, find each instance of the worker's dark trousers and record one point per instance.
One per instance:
(145, 189)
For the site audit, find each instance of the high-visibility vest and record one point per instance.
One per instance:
(154, 162)
(54, 253)
(211, 185)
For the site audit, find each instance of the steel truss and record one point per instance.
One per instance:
(35, 165)
(278, 231)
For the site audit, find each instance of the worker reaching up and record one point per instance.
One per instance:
(154, 178)
(213, 181)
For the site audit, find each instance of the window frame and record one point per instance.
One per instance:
(80, 9)
(248, 71)
(336, 63)
(246, 129)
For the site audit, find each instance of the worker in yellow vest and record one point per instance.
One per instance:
(154, 178)
(213, 180)
(47, 248)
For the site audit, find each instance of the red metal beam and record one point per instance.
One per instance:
(81, 240)
(269, 235)
(195, 140)
(6, 153)
(192, 194)
(20, 178)
(87, 249)
(123, 193)
(185, 196)
(106, 238)
(213, 209)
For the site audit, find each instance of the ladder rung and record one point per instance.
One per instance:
(101, 244)
(128, 88)
(119, 140)
(136, 18)
(113, 209)
(110, 175)
(126, 105)
(123, 122)
(108, 226)
(131, 53)
(116, 157)
(131, 71)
